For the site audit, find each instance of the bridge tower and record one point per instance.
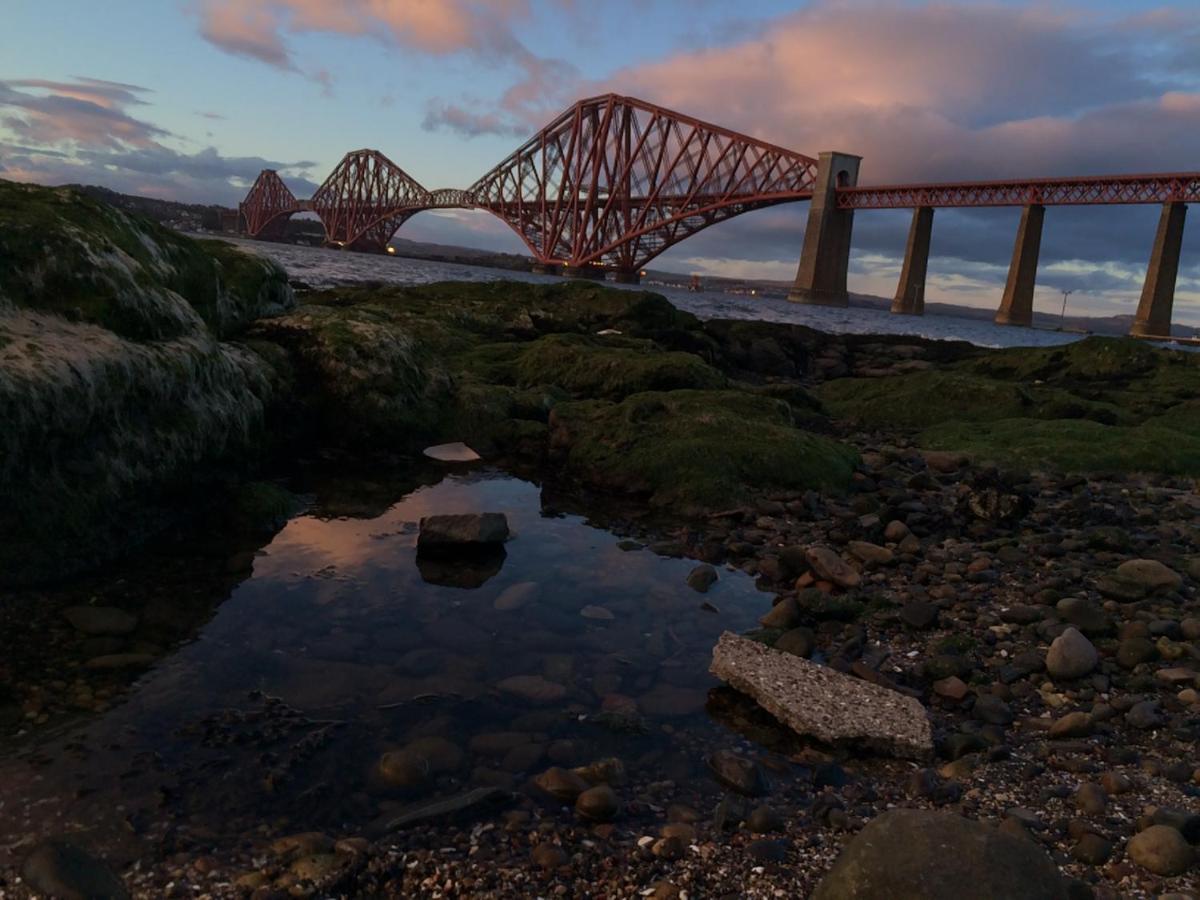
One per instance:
(1158, 290)
(825, 259)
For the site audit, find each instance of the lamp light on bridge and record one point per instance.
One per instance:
(391, 250)
(642, 274)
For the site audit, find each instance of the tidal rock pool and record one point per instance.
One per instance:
(345, 678)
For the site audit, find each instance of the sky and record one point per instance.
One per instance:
(190, 99)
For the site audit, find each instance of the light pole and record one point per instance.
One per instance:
(1062, 319)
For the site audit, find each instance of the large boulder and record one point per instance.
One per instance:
(120, 401)
(693, 449)
(915, 854)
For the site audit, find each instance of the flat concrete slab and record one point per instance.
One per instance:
(817, 701)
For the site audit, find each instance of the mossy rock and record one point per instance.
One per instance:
(363, 379)
(1070, 445)
(609, 367)
(695, 449)
(924, 399)
(67, 254)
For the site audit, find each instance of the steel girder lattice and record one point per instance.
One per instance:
(268, 205)
(1092, 190)
(365, 199)
(616, 181)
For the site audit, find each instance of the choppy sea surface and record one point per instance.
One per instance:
(320, 267)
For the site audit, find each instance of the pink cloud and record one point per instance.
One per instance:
(256, 28)
(937, 91)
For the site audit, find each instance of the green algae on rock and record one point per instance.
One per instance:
(119, 400)
(695, 449)
(1098, 405)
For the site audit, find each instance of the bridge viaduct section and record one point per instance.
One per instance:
(821, 278)
(614, 181)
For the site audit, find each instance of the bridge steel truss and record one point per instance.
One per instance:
(1088, 191)
(267, 206)
(615, 181)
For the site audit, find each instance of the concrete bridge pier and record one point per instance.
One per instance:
(825, 258)
(627, 276)
(910, 294)
(1016, 307)
(1158, 291)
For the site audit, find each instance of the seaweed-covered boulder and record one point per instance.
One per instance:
(360, 376)
(695, 449)
(71, 256)
(1097, 405)
(118, 401)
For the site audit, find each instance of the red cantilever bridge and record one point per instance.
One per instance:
(614, 181)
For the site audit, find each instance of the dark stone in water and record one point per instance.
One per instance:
(738, 773)
(59, 869)
(451, 535)
(467, 805)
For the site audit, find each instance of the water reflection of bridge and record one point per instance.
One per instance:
(613, 181)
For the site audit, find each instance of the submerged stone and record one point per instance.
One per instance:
(58, 868)
(817, 701)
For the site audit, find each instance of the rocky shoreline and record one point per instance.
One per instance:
(1044, 611)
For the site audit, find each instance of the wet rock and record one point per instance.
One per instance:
(932, 855)
(1092, 849)
(991, 709)
(767, 850)
(669, 848)
(305, 843)
(1149, 574)
(818, 701)
(1162, 850)
(798, 642)
(702, 578)
(516, 596)
(831, 567)
(533, 688)
(1133, 651)
(460, 807)
(738, 773)
(1091, 799)
(896, 531)
(318, 867)
(919, 614)
(952, 688)
(764, 820)
(561, 784)
(549, 856)
(598, 804)
(417, 762)
(59, 869)
(785, 614)
(603, 771)
(450, 534)
(597, 613)
(100, 620)
(871, 554)
(1144, 715)
(672, 700)
(1071, 655)
(1072, 725)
